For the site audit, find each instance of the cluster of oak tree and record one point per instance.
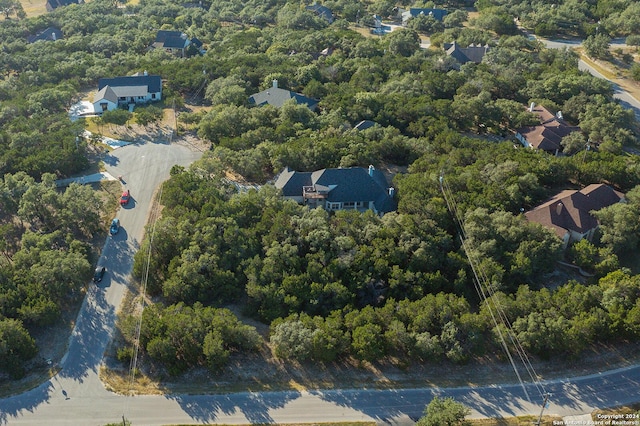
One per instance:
(330, 285)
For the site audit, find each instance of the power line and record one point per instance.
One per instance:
(487, 294)
(145, 279)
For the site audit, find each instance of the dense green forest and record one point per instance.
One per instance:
(330, 285)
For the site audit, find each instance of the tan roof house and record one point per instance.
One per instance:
(547, 136)
(568, 213)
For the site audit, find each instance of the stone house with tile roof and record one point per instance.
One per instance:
(547, 136)
(568, 213)
(353, 188)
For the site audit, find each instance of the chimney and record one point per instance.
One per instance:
(533, 104)
(559, 115)
(391, 191)
(275, 83)
(559, 208)
(371, 169)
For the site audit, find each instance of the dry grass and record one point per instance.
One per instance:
(615, 72)
(514, 421)
(625, 409)
(34, 7)
(314, 424)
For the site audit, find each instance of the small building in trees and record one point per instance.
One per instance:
(568, 213)
(51, 5)
(365, 124)
(127, 91)
(463, 55)
(277, 97)
(547, 136)
(322, 12)
(437, 14)
(353, 188)
(176, 43)
(49, 34)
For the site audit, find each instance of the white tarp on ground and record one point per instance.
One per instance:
(81, 109)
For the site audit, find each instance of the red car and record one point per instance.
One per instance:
(124, 199)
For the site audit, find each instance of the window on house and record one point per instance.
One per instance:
(153, 96)
(333, 206)
(349, 205)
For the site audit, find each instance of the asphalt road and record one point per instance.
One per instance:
(77, 397)
(625, 98)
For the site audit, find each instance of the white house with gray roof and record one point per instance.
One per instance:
(353, 188)
(125, 91)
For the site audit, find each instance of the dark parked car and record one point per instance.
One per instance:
(98, 274)
(115, 226)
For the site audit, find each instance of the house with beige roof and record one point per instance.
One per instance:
(568, 213)
(548, 135)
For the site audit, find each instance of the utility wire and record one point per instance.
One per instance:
(486, 292)
(145, 279)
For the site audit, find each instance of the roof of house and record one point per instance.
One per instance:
(438, 14)
(53, 4)
(151, 83)
(463, 55)
(108, 94)
(322, 11)
(276, 97)
(342, 185)
(364, 125)
(548, 135)
(171, 39)
(49, 34)
(570, 209)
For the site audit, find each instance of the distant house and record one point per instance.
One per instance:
(548, 135)
(176, 43)
(277, 97)
(322, 12)
(50, 34)
(51, 5)
(353, 188)
(568, 213)
(364, 125)
(463, 55)
(414, 12)
(124, 91)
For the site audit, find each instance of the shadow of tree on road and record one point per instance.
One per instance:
(254, 406)
(15, 406)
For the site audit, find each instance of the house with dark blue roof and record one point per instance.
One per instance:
(176, 42)
(127, 91)
(49, 34)
(414, 12)
(353, 188)
(277, 97)
(51, 5)
(322, 12)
